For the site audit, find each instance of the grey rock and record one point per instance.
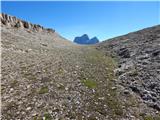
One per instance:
(156, 53)
(12, 21)
(26, 24)
(126, 92)
(124, 53)
(19, 24)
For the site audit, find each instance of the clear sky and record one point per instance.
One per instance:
(102, 19)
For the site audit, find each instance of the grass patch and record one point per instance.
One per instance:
(47, 116)
(43, 90)
(157, 117)
(103, 62)
(60, 71)
(115, 106)
(37, 118)
(89, 83)
(14, 83)
(148, 117)
(103, 68)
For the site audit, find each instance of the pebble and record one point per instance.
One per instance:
(126, 92)
(113, 88)
(28, 108)
(101, 98)
(66, 88)
(11, 89)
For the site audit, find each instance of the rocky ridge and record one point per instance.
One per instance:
(18, 23)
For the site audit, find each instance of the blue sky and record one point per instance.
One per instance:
(102, 19)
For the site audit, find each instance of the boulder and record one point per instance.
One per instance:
(26, 25)
(19, 24)
(124, 53)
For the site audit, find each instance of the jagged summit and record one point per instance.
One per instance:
(84, 39)
(12, 21)
(94, 40)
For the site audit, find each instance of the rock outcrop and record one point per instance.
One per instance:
(12, 21)
(84, 39)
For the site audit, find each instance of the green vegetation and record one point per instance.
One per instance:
(37, 118)
(43, 90)
(115, 106)
(60, 71)
(89, 83)
(14, 83)
(100, 75)
(133, 72)
(149, 117)
(47, 116)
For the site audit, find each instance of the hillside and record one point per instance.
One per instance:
(138, 55)
(45, 76)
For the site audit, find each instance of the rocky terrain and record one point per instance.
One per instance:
(84, 39)
(46, 77)
(138, 55)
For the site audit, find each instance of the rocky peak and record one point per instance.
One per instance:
(85, 36)
(12, 21)
(84, 39)
(94, 40)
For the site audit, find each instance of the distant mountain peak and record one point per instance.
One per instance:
(85, 35)
(84, 39)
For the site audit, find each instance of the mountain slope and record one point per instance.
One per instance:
(138, 54)
(45, 76)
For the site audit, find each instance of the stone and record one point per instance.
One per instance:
(113, 88)
(11, 89)
(124, 53)
(152, 85)
(126, 92)
(26, 24)
(66, 88)
(19, 24)
(156, 53)
(28, 108)
(69, 98)
(134, 88)
(50, 30)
